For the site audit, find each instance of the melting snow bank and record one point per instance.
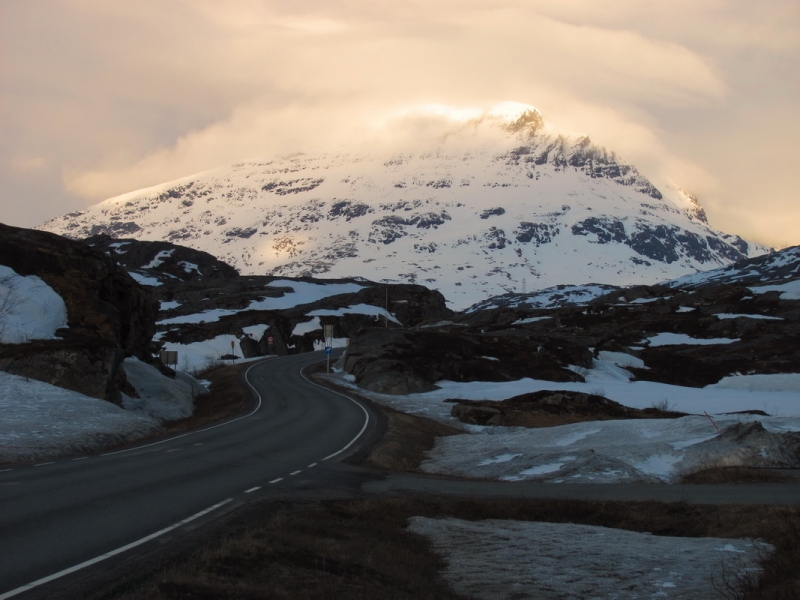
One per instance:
(29, 308)
(42, 421)
(160, 397)
(624, 451)
(516, 559)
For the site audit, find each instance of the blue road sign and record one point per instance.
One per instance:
(328, 349)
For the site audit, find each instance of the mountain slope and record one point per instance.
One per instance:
(497, 205)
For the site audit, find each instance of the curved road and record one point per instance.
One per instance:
(58, 515)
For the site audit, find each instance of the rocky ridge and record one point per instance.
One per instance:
(690, 332)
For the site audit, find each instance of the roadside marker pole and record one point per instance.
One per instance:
(712, 420)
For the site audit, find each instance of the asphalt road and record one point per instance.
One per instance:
(91, 512)
(57, 515)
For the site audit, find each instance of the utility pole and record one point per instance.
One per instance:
(524, 285)
(386, 316)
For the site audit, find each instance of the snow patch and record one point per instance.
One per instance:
(675, 339)
(42, 421)
(788, 291)
(29, 308)
(513, 559)
(143, 279)
(160, 397)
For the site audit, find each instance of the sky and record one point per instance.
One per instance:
(102, 97)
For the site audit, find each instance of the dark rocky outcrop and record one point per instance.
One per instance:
(403, 361)
(410, 304)
(109, 315)
(549, 408)
(164, 261)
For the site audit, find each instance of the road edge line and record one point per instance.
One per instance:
(356, 402)
(120, 550)
(177, 437)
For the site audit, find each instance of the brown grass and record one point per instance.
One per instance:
(406, 442)
(360, 548)
(227, 398)
(309, 550)
(736, 475)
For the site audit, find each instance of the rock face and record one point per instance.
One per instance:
(109, 315)
(693, 331)
(293, 329)
(405, 361)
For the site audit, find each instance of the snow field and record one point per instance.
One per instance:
(41, 421)
(159, 396)
(650, 450)
(618, 451)
(498, 559)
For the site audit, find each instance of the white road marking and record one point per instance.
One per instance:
(273, 481)
(172, 450)
(81, 458)
(102, 557)
(296, 472)
(366, 414)
(253, 489)
(250, 414)
(4, 470)
(43, 464)
(312, 465)
(198, 444)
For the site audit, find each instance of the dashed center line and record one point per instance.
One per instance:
(253, 489)
(4, 470)
(198, 444)
(43, 464)
(171, 450)
(277, 480)
(81, 458)
(312, 465)
(296, 472)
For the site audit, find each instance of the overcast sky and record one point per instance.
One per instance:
(101, 97)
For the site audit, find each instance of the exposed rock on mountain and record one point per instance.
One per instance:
(156, 263)
(694, 331)
(497, 204)
(109, 315)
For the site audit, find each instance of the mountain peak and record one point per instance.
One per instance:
(485, 211)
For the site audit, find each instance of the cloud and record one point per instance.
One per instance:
(116, 99)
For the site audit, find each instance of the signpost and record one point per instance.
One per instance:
(328, 332)
(169, 357)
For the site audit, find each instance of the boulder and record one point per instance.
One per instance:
(249, 347)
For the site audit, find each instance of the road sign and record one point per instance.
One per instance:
(328, 349)
(270, 339)
(347, 342)
(328, 331)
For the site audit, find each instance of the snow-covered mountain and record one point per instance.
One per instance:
(501, 204)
